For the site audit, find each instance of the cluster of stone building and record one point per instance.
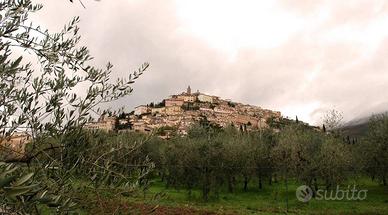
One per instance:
(178, 112)
(104, 123)
(15, 144)
(182, 110)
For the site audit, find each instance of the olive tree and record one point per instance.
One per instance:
(373, 150)
(48, 89)
(332, 119)
(296, 153)
(335, 161)
(262, 143)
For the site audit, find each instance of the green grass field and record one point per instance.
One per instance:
(270, 200)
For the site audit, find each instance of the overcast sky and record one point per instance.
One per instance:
(299, 57)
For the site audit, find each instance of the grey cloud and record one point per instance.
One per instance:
(127, 33)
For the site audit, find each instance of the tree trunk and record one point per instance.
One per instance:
(260, 183)
(311, 185)
(384, 181)
(270, 179)
(167, 185)
(315, 186)
(230, 184)
(205, 193)
(328, 185)
(245, 183)
(190, 191)
(217, 193)
(206, 186)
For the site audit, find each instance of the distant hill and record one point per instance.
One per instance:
(355, 130)
(357, 127)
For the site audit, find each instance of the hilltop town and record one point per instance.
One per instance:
(179, 112)
(176, 113)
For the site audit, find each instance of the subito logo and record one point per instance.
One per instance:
(304, 193)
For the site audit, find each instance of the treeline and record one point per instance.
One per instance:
(212, 159)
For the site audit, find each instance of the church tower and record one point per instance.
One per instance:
(189, 90)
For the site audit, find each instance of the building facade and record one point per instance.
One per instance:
(142, 109)
(15, 145)
(174, 102)
(104, 123)
(187, 98)
(205, 98)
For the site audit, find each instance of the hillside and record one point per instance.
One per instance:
(355, 130)
(357, 127)
(180, 111)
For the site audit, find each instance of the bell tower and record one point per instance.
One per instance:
(188, 90)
